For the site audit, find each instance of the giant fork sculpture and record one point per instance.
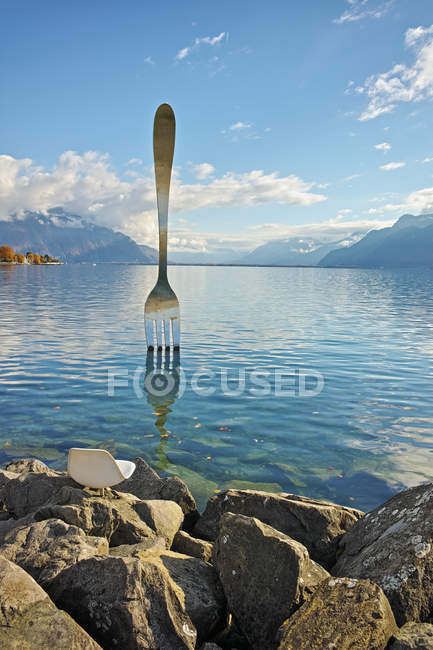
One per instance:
(162, 305)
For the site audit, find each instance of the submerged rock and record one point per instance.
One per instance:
(184, 543)
(125, 603)
(29, 620)
(45, 548)
(146, 484)
(341, 614)
(318, 525)
(413, 636)
(265, 574)
(393, 546)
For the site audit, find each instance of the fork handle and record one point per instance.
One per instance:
(164, 129)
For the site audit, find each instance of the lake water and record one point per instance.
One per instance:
(74, 372)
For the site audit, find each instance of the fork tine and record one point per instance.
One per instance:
(175, 323)
(167, 333)
(159, 334)
(149, 333)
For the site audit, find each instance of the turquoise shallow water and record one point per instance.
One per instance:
(65, 330)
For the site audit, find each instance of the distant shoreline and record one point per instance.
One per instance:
(25, 264)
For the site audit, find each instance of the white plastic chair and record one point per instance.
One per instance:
(96, 468)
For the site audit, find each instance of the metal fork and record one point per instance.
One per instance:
(162, 306)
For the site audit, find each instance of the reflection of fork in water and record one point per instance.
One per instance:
(161, 383)
(162, 379)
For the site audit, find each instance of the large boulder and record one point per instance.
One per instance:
(121, 518)
(205, 602)
(29, 620)
(45, 548)
(5, 478)
(392, 546)
(146, 484)
(318, 525)
(265, 574)
(125, 603)
(184, 543)
(24, 493)
(163, 517)
(202, 593)
(413, 636)
(342, 613)
(27, 465)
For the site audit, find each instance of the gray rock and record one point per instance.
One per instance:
(163, 517)
(133, 550)
(210, 646)
(27, 465)
(121, 518)
(24, 493)
(11, 523)
(342, 614)
(146, 484)
(125, 603)
(5, 478)
(205, 602)
(202, 593)
(413, 636)
(184, 543)
(45, 548)
(392, 546)
(29, 620)
(265, 574)
(318, 525)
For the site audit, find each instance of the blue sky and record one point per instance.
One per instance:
(280, 109)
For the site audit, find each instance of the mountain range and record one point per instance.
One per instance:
(408, 243)
(71, 238)
(303, 251)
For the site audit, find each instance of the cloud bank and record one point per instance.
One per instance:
(87, 185)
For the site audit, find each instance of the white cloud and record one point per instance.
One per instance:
(183, 53)
(383, 146)
(148, 59)
(87, 185)
(135, 161)
(392, 165)
(420, 201)
(204, 40)
(350, 178)
(359, 11)
(403, 83)
(203, 170)
(345, 211)
(239, 126)
(427, 160)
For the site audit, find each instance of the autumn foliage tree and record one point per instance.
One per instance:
(36, 258)
(6, 254)
(20, 258)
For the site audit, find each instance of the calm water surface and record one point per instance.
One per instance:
(66, 329)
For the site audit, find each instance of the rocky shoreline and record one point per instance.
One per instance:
(140, 568)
